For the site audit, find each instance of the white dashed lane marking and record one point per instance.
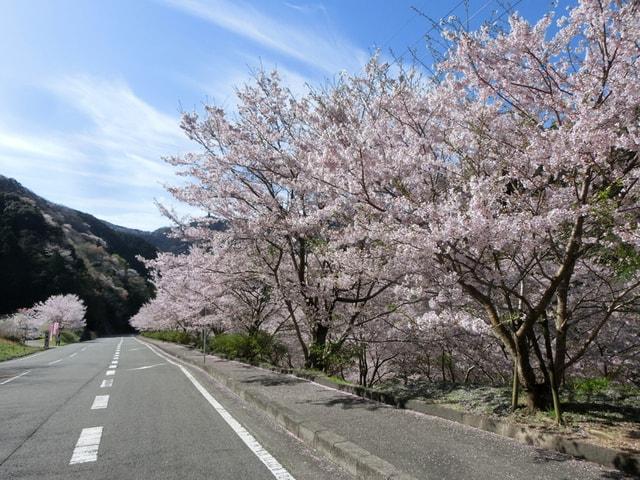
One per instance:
(73, 355)
(55, 361)
(101, 401)
(87, 446)
(111, 372)
(106, 383)
(147, 366)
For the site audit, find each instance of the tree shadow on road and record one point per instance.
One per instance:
(549, 456)
(271, 381)
(348, 402)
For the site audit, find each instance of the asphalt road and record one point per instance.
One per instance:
(113, 408)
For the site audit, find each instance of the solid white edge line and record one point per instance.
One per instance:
(276, 469)
(13, 378)
(86, 449)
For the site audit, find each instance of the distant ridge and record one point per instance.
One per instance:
(159, 238)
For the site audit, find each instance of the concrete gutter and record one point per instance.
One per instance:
(361, 463)
(354, 459)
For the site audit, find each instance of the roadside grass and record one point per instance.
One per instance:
(11, 349)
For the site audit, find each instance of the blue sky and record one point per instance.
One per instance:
(91, 91)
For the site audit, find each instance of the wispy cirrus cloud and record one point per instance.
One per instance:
(112, 166)
(16, 144)
(330, 53)
(119, 118)
(306, 7)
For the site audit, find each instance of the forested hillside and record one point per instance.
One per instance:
(47, 249)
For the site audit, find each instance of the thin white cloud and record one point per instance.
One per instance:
(330, 53)
(306, 7)
(116, 155)
(121, 119)
(15, 144)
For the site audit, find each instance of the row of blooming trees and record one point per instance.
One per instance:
(486, 214)
(67, 311)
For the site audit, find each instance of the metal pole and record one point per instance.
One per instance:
(204, 338)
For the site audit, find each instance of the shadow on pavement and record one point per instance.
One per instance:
(269, 381)
(349, 403)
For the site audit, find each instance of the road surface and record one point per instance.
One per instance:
(117, 408)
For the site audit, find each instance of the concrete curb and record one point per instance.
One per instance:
(350, 456)
(624, 461)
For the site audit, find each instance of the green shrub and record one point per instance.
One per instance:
(67, 336)
(333, 357)
(255, 347)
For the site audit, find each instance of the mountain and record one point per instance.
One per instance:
(47, 249)
(161, 238)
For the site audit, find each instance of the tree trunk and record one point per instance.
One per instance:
(552, 372)
(538, 397)
(538, 394)
(450, 367)
(468, 374)
(561, 324)
(317, 358)
(363, 367)
(515, 387)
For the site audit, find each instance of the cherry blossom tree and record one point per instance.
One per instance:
(509, 179)
(184, 297)
(68, 310)
(253, 173)
(18, 325)
(490, 209)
